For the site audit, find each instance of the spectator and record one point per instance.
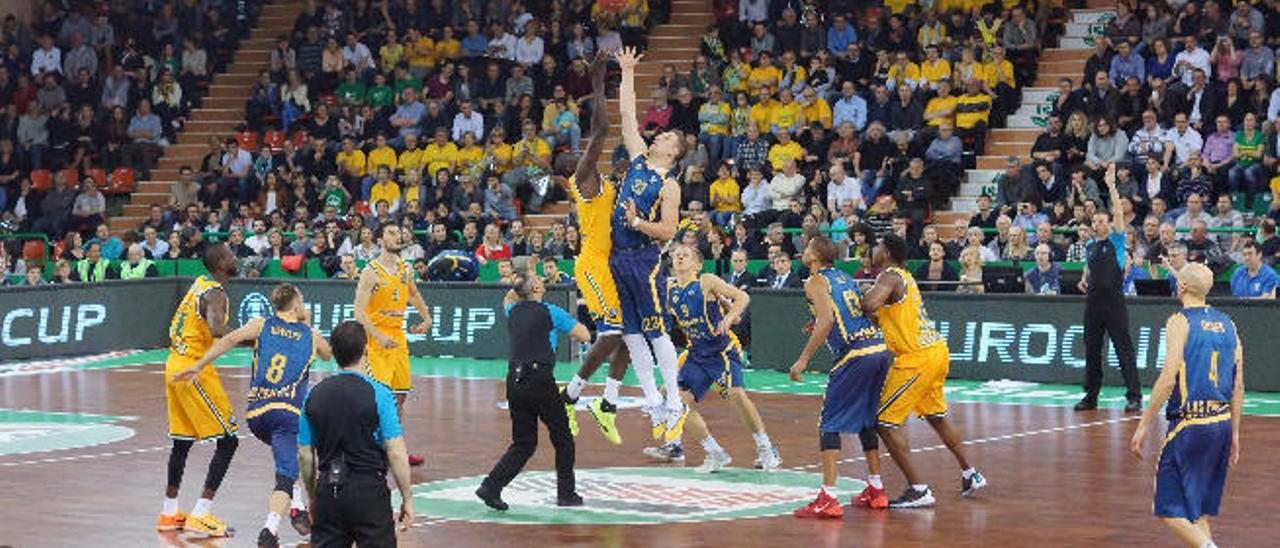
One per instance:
(492, 247)
(1107, 147)
(937, 269)
(1255, 278)
(970, 271)
(752, 152)
(531, 159)
(136, 265)
(89, 208)
(1045, 278)
(1194, 213)
(1248, 177)
(1017, 249)
(55, 208)
(1203, 249)
(785, 186)
(94, 267)
(850, 108)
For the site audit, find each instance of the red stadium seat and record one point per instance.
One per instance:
(247, 140)
(71, 176)
(121, 181)
(300, 138)
(274, 139)
(362, 208)
(41, 179)
(99, 176)
(33, 250)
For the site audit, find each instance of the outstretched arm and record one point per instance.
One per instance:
(628, 58)
(245, 333)
(1117, 210)
(585, 176)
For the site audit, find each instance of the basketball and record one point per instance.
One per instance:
(612, 6)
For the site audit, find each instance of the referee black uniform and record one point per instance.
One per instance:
(532, 394)
(1105, 313)
(350, 428)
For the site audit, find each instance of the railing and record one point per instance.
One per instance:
(48, 248)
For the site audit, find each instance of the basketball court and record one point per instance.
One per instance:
(83, 448)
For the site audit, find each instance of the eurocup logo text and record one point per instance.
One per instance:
(254, 305)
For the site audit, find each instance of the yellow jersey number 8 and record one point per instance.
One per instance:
(275, 371)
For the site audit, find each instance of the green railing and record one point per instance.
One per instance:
(48, 248)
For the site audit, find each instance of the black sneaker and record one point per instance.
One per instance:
(607, 407)
(1087, 404)
(572, 499)
(565, 399)
(267, 540)
(1134, 406)
(491, 499)
(911, 498)
(301, 521)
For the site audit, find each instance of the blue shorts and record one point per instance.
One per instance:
(1193, 469)
(698, 373)
(279, 429)
(641, 290)
(853, 392)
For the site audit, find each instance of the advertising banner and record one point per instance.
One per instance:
(1026, 338)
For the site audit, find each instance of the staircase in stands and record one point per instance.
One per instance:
(218, 116)
(674, 42)
(1016, 139)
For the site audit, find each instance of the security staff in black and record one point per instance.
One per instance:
(533, 327)
(1104, 308)
(350, 426)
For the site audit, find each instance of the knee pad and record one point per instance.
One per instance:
(284, 484)
(829, 441)
(870, 442)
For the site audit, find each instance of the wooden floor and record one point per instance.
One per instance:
(1057, 478)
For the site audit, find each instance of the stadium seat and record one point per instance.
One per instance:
(41, 179)
(362, 208)
(274, 139)
(247, 140)
(33, 250)
(71, 176)
(121, 181)
(300, 138)
(99, 176)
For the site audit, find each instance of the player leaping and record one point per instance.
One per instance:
(284, 347)
(646, 214)
(1203, 382)
(199, 410)
(594, 195)
(385, 290)
(919, 371)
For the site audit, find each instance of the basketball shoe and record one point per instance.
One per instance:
(666, 453)
(912, 498)
(207, 526)
(301, 521)
(675, 423)
(658, 419)
(267, 540)
(714, 462)
(606, 416)
(823, 507)
(970, 486)
(171, 522)
(767, 458)
(872, 498)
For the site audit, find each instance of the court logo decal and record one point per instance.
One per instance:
(632, 496)
(23, 431)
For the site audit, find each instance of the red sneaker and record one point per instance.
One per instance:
(872, 497)
(415, 460)
(823, 507)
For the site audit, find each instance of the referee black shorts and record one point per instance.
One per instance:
(359, 514)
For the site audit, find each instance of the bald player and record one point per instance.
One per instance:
(1203, 383)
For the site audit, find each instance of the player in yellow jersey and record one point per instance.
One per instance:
(915, 380)
(199, 410)
(385, 290)
(594, 195)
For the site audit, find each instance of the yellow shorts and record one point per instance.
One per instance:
(390, 366)
(595, 282)
(198, 409)
(914, 385)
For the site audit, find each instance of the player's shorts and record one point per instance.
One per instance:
(198, 409)
(279, 429)
(390, 366)
(914, 385)
(1193, 468)
(595, 282)
(853, 391)
(699, 373)
(641, 288)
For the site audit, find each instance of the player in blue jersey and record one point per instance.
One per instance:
(645, 215)
(284, 347)
(1203, 383)
(860, 361)
(714, 357)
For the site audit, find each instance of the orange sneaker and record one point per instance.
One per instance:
(823, 507)
(872, 498)
(171, 522)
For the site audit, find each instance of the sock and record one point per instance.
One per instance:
(202, 507)
(967, 472)
(711, 446)
(273, 523)
(170, 506)
(762, 439)
(1208, 544)
(575, 387)
(611, 387)
(668, 363)
(874, 481)
(298, 502)
(920, 486)
(642, 364)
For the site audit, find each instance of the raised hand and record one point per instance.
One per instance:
(628, 58)
(599, 68)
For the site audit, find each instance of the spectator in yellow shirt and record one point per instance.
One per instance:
(999, 79)
(532, 159)
(385, 188)
(932, 32)
(412, 157)
(470, 156)
(788, 114)
(381, 155)
(351, 162)
(713, 124)
(816, 109)
(736, 75)
(420, 51)
(903, 72)
(934, 69)
(447, 47)
(785, 149)
(941, 109)
(440, 154)
(973, 111)
(497, 152)
(761, 113)
(764, 75)
(725, 196)
(390, 54)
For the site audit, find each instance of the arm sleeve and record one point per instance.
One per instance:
(506, 309)
(561, 320)
(304, 427)
(388, 420)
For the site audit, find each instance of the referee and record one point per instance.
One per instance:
(1104, 308)
(532, 394)
(350, 426)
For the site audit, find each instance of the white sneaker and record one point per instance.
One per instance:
(674, 427)
(767, 458)
(665, 453)
(714, 462)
